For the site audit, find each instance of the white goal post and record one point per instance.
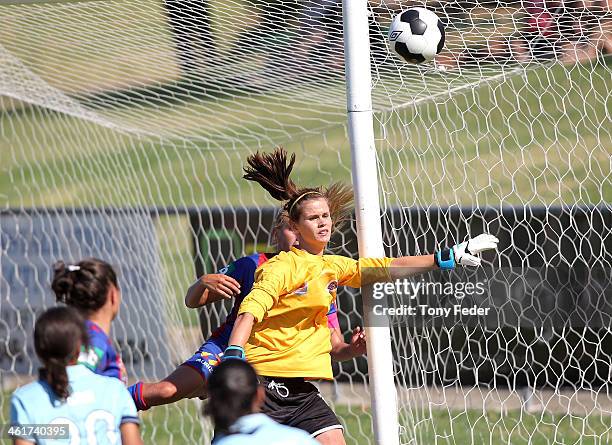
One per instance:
(367, 213)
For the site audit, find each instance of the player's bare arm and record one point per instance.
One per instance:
(342, 351)
(210, 288)
(242, 330)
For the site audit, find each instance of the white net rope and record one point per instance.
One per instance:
(124, 123)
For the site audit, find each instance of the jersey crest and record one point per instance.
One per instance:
(332, 286)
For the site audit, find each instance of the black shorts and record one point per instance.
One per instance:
(298, 403)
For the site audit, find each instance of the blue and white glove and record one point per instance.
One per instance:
(464, 254)
(233, 352)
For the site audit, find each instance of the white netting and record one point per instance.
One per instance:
(124, 123)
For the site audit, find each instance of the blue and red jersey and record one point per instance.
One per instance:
(243, 271)
(100, 356)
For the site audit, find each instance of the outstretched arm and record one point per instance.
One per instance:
(372, 270)
(463, 254)
(407, 266)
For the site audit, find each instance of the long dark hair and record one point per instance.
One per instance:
(59, 334)
(83, 285)
(273, 170)
(232, 387)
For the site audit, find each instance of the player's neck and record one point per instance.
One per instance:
(103, 320)
(312, 248)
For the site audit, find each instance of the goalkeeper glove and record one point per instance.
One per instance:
(233, 352)
(464, 254)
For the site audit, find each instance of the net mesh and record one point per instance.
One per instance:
(125, 125)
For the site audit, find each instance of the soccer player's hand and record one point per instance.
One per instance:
(221, 284)
(465, 253)
(358, 342)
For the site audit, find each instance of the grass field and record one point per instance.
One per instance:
(538, 136)
(437, 426)
(181, 423)
(548, 144)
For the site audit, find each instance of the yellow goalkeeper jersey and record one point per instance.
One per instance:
(290, 300)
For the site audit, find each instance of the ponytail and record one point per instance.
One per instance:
(54, 373)
(340, 200)
(59, 334)
(272, 171)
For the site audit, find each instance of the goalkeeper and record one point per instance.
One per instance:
(189, 379)
(281, 325)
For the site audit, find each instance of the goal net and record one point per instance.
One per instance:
(125, 125)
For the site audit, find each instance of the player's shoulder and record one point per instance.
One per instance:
(110, 386)
(282, 260)
(97, 336)
(281, 256)
(338, 259)
(281, 435)
(250, 262)
(263, 430)
(289, 435)
(30, 391)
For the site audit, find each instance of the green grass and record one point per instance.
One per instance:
(71, 46)
(441, 426)
(182, 423)
(535, 139)
(539, 137)
(438, 426)
(174, 424)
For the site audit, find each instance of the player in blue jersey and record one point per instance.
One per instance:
(91, 287)
(232, 281)
(95, 409)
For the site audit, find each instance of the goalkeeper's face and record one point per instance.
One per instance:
(314, 226)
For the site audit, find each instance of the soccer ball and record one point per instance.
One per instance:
(416, 35)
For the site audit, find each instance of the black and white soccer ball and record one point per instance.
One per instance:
(416, 35)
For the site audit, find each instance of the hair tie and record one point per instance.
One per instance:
(73, 268)
(311, 192)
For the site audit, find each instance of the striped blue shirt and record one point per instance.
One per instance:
(259, 429)
(95, 409)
